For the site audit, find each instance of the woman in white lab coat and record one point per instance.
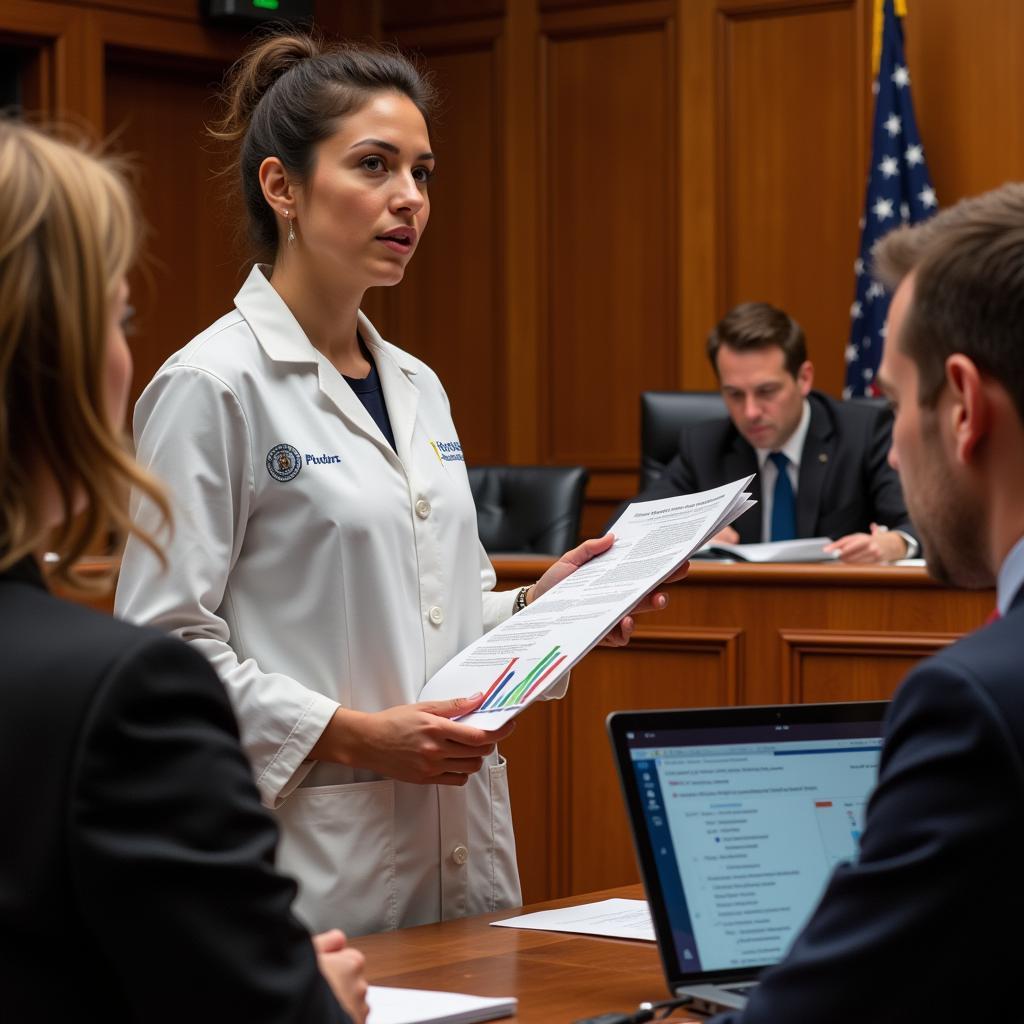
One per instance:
(325, 557)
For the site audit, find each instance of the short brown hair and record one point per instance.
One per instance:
(968, 266)
(758, 325)
(68, 234)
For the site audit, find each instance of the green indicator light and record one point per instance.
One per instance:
(267, 5)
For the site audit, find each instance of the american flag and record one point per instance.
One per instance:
(899, 192)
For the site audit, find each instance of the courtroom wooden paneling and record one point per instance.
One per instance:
(756, 181)
(605, 493)
(28, 72)
(143, 73)
(966, 74)
(721, 144)
(448, 309)
(829, 665)
(609, 175)
(791, 160)
(190, 270)
(63, 66)
(401, 14)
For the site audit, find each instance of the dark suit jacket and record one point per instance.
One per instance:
(845, 482)
(136, 863)
(916, 925)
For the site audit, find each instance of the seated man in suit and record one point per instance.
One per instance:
(916, 923)
(834, 480)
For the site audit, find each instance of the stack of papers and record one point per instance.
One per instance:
(808, 549)
(518, 661)
(422, 1006)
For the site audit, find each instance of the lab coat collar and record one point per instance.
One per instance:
(281, 337)
(379, 347)
(275, 327)
(401, 395)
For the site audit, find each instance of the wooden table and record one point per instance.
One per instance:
(732, 634)
(557, 977)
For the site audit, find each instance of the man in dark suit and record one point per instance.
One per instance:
(834, 480)
(917, 923)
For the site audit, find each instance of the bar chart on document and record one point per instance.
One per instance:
(509, 691)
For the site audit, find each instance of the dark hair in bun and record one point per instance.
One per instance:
(285, 95)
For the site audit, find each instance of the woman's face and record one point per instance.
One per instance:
(118, 377)
(365, 206)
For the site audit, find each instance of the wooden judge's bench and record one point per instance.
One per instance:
(731, 634)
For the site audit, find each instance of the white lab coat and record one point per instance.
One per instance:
(349, 583)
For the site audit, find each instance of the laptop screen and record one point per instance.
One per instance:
(740, 816)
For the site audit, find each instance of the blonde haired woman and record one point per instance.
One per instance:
(135, 857)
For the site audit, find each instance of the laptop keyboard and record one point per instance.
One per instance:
(741, 989)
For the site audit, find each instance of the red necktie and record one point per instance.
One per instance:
(993, 616)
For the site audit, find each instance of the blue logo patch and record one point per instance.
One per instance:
(284, 463)
(448, 451)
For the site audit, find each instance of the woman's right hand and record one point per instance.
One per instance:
(345, 971)
(411, 742)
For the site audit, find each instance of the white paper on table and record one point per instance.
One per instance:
(620, 919)
(803, 549)
(523, 657)
(423, 1006)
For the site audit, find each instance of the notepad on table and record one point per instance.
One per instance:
(424, 1006)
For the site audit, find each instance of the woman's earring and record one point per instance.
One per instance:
(291, 227)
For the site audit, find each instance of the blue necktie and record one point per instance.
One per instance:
(784, 502)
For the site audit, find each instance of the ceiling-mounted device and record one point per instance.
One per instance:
(246, 13)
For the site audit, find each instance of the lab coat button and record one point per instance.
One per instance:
(460, 854)
(423, 508)
(436, 615)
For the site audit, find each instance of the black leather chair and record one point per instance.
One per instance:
(879, 402)
(663, 415)
(528, 509)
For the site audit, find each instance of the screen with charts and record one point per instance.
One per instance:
(746, 830)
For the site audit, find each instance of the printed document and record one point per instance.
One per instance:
(519, 660)
(620, 919)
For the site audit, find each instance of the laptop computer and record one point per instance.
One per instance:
(739, 816)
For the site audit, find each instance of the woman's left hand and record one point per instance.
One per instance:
(572, 560)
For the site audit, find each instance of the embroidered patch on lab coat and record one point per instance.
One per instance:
(283, 462)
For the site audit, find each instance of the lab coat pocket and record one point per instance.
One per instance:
(505, 891)
(339, 842)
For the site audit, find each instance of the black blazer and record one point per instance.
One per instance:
(916, 925)
(845, 482)
(136, 863)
